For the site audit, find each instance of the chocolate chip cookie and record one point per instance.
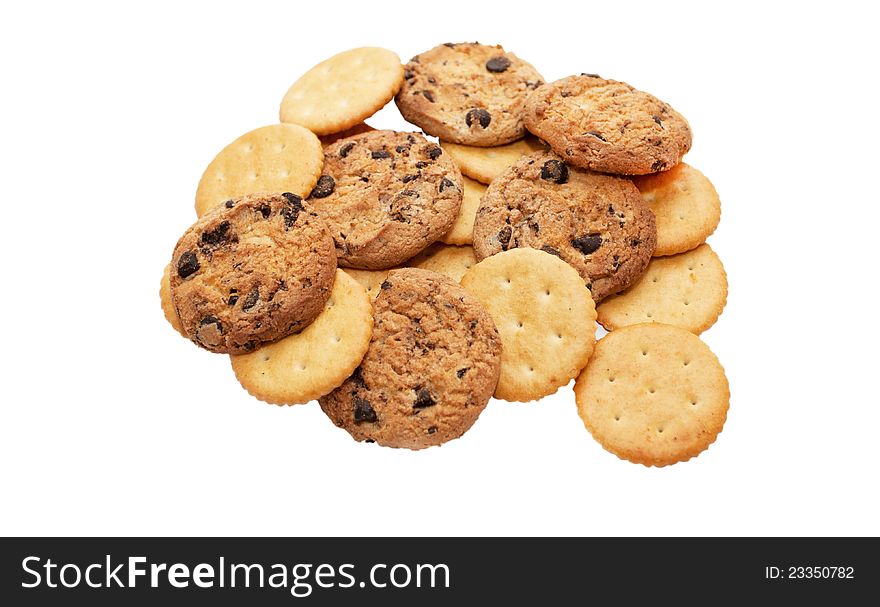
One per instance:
(386, 196)
(467, 93)
(252, 270)
(597, 223)
(607, 126)
(431, 367)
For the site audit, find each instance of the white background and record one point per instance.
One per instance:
(113, 424)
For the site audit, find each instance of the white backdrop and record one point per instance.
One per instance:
(113, 424)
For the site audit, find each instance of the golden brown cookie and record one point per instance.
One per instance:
(276, 158)
(544, 314)
(165, 298)
(449, 260)
(309, 364)
(687, 290)
(431, 367)
(653, 394)
(685, 204)
(607, 126)
(467, 93)
(251, 271)
(386, 196)
(343, 90)
(597, 223)
(485, 164)
(462, 231)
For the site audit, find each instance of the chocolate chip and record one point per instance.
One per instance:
(446, 184)
(548, 249)
(369, 440)
(385, 285)
(401, 149)
(344, 150)
(325, 186)
(587, 244)
(211, 320)
(251, 300)
(611, 210)
(358, 378)
(449, 44)
(460, 373)
(635, 242)
(432, 429)
(564, 93)
(365, 179)
(497, 65)
(657, 120)
(291, 209)
(187, 265)
(478, 115)
(591, 75)
(427, 95)
(265, 210)
(658, 166)
(233, 298)
(409, 74)
(210, 329)
(380, 154)
(408, 178)
(230, 203)
(363, 410)
(504, 236)
(434, 152)
(249, 346)
(423, 399)
(597, 135)
(555, 171)
(421, 164)
(218, 236)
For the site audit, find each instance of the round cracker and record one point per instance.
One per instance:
(309, 364)
(688, 290)
(343, 90)
(271, 159)
(685, 204)
(446, 259)
(462, 231)
(545, 316)
(165, 297)
(371, 280)
(653, 394)
(485, 164)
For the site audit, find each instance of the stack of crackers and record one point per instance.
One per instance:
(403, 279)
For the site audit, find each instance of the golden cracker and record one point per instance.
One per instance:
(653, 394)
(685, 204)
(544, 314)
(371, 280)
(485, 164)
(309, 364)
(446, 259)
(688, 290)
(462, 231)
(343, 90)
(272, 159)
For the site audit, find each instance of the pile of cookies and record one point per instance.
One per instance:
(402, 281)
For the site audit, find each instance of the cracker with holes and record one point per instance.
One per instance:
(370, 280)
(597, 223)
(386, 196)
(449, 260)
(467, 93)
(343, 90)
(462, 231)
(253, 270)
(486, 163)
(653, 394)
(545, 316)
(430, 369)
(311, 363)
(688, 290)
(271, 159)
(685, 204)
